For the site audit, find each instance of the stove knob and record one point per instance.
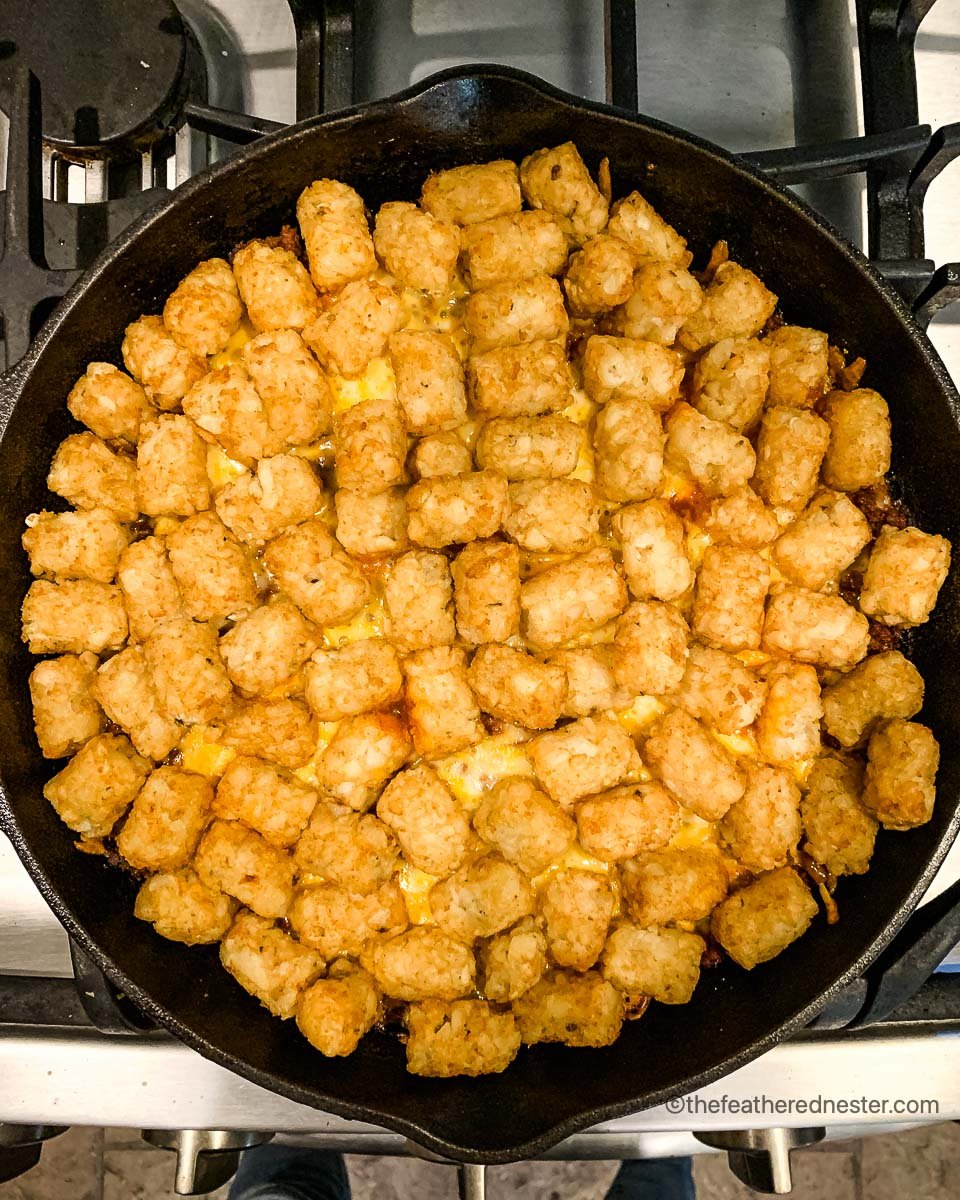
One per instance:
(206, 1158)
(760, 1158)
(20, 1147)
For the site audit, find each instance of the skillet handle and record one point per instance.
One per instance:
(471, 1181)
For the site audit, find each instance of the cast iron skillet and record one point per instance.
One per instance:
(385, 150)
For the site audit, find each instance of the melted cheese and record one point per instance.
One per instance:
(474, 771)
(202, 754)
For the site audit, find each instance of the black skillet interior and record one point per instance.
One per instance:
(386, 150)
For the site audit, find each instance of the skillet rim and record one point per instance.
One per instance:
(10, 387)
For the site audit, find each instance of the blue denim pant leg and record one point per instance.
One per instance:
(290, 1173)
(653, 1179)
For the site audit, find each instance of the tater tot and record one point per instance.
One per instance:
(149, 586)
(758, 922)
(839, 831)
(629, 442)
(904, 574)
(417, 248)
(183, 909)
(263, 796)
(529, 447)
(735, 305)
(650, 648)
(569, 1007)
(481, 898)
(517, 312)
(557, 180)
(693, 765)
(355, 328)
(859, 451)
(430, 825)
(440, 454)
(73, 616)
(363, 753)
(517, 687)
(309, 565)
(355, 678)
(334, 1013)
(214, 573)
(275, 287)
(371, 526)
(467, 1037)
(165, 370)
(429, 376)
(108, 402)
(652, 543)
(730, 381)
(418, 602)
(591, 686)
(798, 366)
(97, 785)
(420, 964)
(622, 368)
(288, 379)
(815, 628)
(512, 247)
(741, 519)
(822, 542)
(240, 862)
(126, 694)
(443, 712)
(266, 647)
(883, 685)
(719, 690)
(902, 761)
(661, 887)
(583, 758)
(486, 580)
(788, 727)
(520, 381)
(283, 491)
(635, 221)
(203, 311)
(528, 828)
(166, 820)
(790, 448)
(283, 731)
(571, 598)
(336, 921)
(576, 908)
(75, 545)
(713, 454)
(268, 963)
(512, 962)
(65, 709)
(764, 825)
(86, 472)
(557, 515)
(188, 673)
(664, 296)
(663, 964)
(477, 192)
(445, 510)
(171, 474)
(333, 222)
(352, 850)
(599, 276)
(728, 606)
(370, 447)
(625, 821)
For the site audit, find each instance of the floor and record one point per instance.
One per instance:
(113, 1164)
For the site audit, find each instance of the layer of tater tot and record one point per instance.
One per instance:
(268, 963)
(188, 674)
(336, 237)
(429, 376)
(203, 311)
(242, 863)
(334, 1013)
(799, 366)
(446, 510)
(97, 785)
(352, 850)
(351, 679)
(309, 565)
(788, 726)
(591, 686)
(816, 628)
(467, 1037)
(370, 445)
(512, 962)
(354, 329)
(419, 249)
(629, 444)
(517, 687)
(838, 830)
(858, 454)
(335, 921)
(109, 402)
(165, 370)
(790, 447)
(126, 694)
(713, 454)
(664, 296)
(481, 898)
(87, 473)
(295, 393)
(75, 545)
(418, 602)
(422, 963)
(661, 887)
(625, 821)
(513, 313)
(719, 690)
(486, 581)
(730, 381)
(266, 647)
(182, 908)
(65, 709)
(728, 608)
(763, 827)
(571, 598)
(73, 616)
(148, 585)
(635, 221)
(758, 922)
(275, 287)
(663, 964)
(653, 546)
(442, 710)
(572, 1008)
(599, 276)
(214, 573)
(693, 765)
(529, 447)
(166, 820)
(557, 180)
(476, 192)
(822, 542)
(256, 507)
(741, 519)
(371, 526)
(520, 381)
(171, 474)
(904, 574)
(882, 686)
(650, 648)
(583, 758)
(735, 305)
(528, 828)
(561, 516)
(430, 825)
(283, 731)
(440, 454)
(512, 247)
(576, 907)
(622, 368)
(363, 753)
(263, 796)
(902, 761)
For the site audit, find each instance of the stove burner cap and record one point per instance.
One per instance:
(111, 72)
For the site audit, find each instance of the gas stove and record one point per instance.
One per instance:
(854, 104)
